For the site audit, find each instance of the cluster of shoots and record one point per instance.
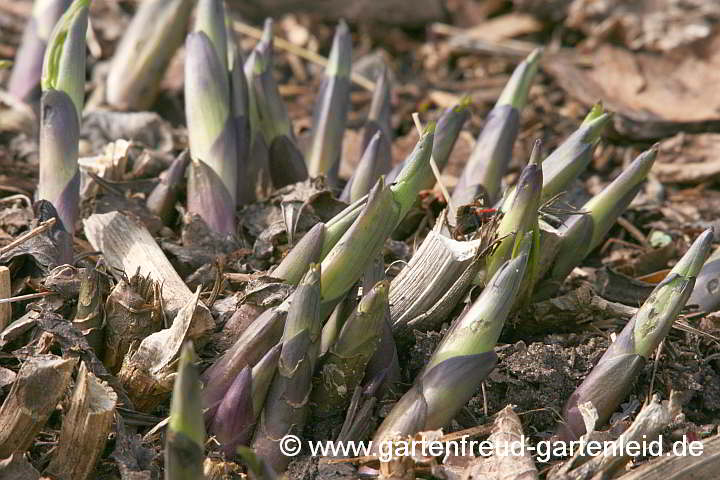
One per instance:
(328, 350)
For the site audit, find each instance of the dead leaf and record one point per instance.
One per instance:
(653, 96)
(689, 159)
(658, 25)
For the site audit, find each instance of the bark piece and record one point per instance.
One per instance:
(39, 386)
(74, 345)
(128, 246)
(85, 428)
(148, 372)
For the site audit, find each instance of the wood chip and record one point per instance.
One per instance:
(39, 386)
(85, 428)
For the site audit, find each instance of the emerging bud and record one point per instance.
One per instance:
(482, 176)
(64, 63)
(211, 127)
(610, 381)
(185, 441)
(330, 111)
(24, 80)
(144, 52)
(59, 181)
(161, 200)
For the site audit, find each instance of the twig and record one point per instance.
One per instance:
(5, 292)
(29, 296)
(27, 236)
(633, 231)
(308, 55)
(240, 277)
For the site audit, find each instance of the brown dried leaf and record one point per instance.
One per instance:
(652, 96)
(689, 159)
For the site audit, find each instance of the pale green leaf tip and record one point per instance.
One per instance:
(536, 154)
(594, 113)
(429, 128)
(694, 259)
(340, 60)
(463, 104)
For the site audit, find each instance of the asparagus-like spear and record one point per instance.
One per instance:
(233, 421)
(706, 294)
(344, 364)
(63, 84)
(285, 160)
(415, 175)
(582, 233)
(446, 134)
(286, 406)
(462, 360)
(376, 159)
(613, 376)
(362, 242)
(210, 19)
(305, 252)
(368, 170)
(571, 158)
(248, 349)
(246, 187)
(64, 62)
(59, 175)
(211, 132)
(144, 52)
(482, 175)
(522, 218)
(185, 440)
(24, 80)
(331, 108)
(161, 200)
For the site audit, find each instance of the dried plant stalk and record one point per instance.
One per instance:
(85, 428)
(40, 384)
(134, 311)
(148, 372)
(437, 275)
(128, 246)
